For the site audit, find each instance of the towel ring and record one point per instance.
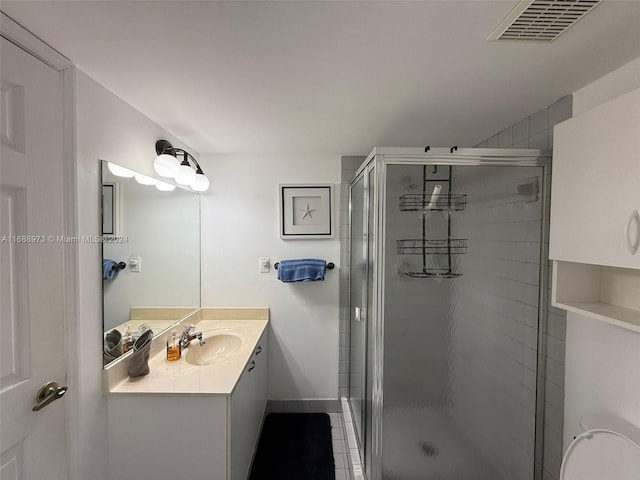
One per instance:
(330, 265)
(121, 266)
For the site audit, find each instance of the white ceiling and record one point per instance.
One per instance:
(327, 77)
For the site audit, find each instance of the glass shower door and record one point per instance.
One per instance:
(461, 316)
(357, 294)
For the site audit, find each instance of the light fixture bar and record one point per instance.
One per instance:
(176, 170)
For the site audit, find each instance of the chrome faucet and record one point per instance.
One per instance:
(189, 334)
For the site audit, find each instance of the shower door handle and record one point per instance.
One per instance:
(357, 313)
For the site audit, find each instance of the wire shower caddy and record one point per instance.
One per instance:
(445, 202)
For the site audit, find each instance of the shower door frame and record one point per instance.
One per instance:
(367, 315)
(379, 159)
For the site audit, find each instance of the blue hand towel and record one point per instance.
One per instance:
(302, 270)
(110, 269)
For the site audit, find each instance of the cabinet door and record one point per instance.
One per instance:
(167, 437)
(247, 411)
(596, 185)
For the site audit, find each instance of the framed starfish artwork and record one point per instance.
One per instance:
(306, 211)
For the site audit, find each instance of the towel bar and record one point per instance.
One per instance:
(330, 265)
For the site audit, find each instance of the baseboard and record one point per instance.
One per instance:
(304, 405)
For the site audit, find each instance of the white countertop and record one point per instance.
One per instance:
(181, 377)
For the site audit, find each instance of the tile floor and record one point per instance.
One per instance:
(339, 447)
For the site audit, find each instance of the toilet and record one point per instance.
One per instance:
(608, 449)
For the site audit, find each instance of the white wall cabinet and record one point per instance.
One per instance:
(189, 436)
(595, 213)
(595, 191)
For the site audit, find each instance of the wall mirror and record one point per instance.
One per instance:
(150, 253)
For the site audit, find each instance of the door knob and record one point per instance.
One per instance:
(48, 393)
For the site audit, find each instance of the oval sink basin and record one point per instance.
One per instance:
(218, 347)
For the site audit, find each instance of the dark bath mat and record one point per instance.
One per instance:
(294, 446)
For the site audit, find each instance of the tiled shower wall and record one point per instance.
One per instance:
(536, 131)
(494, 316)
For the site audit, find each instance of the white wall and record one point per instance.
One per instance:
(239, 225)
(106, 128)
(601, 359)
(601, 372)
(612, 85)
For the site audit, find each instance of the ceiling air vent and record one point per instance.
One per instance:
(541, 20)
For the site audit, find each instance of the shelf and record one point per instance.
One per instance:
(414, 202)
(612, 314)
(419, 246)
(608, 294)
(433, 273)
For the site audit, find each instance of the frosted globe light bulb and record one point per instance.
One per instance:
(166, 165)
(165, 187)
(201, 184)
(145, 180)
(119, 171)
(186, 176)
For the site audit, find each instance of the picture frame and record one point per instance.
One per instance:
(110, 209)
(306, 211)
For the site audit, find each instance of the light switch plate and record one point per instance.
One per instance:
(263, 265)
(135, 263)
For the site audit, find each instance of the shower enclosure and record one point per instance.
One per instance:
(447, 313)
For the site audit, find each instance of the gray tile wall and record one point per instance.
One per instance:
(536, 131)
(494, 316)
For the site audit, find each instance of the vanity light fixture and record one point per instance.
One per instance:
(187, 172)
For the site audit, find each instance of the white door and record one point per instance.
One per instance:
(32, 335)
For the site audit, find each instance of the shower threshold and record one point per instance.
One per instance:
(353, 454)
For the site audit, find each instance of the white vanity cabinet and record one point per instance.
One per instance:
(595, 213)
(247, 407)
(194, 436)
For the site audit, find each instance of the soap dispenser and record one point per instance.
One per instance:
(173, 346)
(127, 341)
